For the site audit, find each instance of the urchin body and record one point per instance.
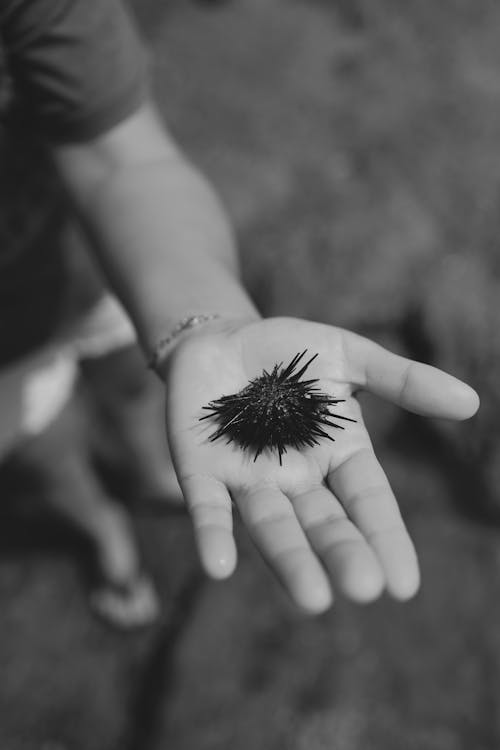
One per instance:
(275, 411)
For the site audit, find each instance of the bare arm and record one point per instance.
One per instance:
(159, 230)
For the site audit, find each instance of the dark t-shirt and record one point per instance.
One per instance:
(69, 71)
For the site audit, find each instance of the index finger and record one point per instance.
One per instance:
(415, 386)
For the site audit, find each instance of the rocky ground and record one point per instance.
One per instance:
(355, 145)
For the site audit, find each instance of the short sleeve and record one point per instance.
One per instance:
(78, 66)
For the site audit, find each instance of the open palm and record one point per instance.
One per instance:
(326, 519)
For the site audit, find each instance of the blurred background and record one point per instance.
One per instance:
(357, 148)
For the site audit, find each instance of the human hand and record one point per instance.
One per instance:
(326, 519)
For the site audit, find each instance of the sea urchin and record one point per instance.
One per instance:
(275, 411)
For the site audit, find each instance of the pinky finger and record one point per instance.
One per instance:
(209, 504)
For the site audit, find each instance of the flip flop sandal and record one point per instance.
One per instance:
(126, 606)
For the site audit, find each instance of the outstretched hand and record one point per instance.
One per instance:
(325, 520)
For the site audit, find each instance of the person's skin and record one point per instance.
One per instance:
(326, 520)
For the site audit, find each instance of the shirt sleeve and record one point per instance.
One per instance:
(78, 66)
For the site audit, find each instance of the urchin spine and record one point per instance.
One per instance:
(275, 410)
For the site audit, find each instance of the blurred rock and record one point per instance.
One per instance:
(460, 317)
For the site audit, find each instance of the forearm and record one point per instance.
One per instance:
(166, 247)
(161, 237)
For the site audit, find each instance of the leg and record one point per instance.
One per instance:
(129, 406)
(58, 460)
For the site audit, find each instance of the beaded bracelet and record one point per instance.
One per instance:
(161, 349)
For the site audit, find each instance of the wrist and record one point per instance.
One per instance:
(189, 327)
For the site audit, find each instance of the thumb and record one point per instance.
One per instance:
(412, 385)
